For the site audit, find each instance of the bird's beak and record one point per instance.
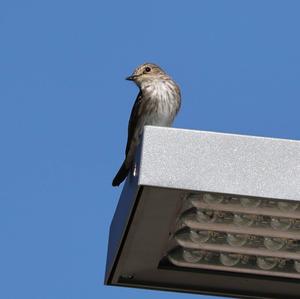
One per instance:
(131, 78)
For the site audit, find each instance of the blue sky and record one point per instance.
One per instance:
(64, 107)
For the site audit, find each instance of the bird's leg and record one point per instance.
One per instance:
(134, 169)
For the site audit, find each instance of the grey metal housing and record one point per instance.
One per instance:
(218, 162)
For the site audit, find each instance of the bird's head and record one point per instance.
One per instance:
(147, 72)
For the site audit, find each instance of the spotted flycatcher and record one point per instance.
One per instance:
(157, 104)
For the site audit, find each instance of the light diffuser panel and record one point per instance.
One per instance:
(238, 234)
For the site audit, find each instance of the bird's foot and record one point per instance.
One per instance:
(134, 170)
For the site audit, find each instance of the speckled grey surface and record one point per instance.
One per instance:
(217, 162)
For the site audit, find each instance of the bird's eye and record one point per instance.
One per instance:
(147, 69)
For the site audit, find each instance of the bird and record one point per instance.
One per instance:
(157, 104)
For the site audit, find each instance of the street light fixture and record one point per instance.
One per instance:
(209, 213)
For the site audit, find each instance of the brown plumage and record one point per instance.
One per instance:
(157, 104)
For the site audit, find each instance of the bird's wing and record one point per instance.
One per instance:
(133, 120)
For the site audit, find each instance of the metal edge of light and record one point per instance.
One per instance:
(120, 222)
(219, 162)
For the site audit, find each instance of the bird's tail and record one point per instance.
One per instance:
(121, 175)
